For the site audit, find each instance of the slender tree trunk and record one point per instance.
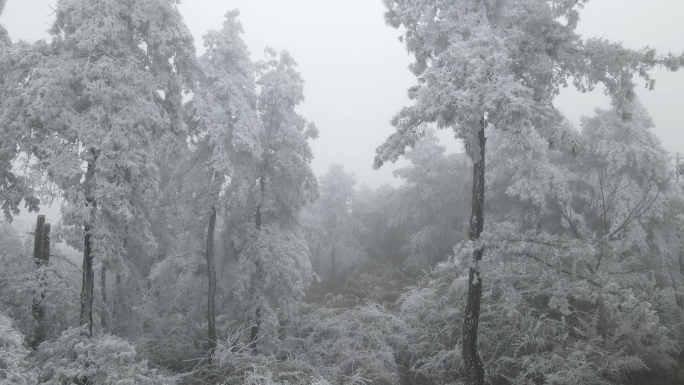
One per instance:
(88, 273)
(332, 270)
(116, 305)
(103, 289)
(41, 254)
(87, 284)
(474, 367)
(211, 272)
(254, 332)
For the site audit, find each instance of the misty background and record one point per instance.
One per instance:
(356, 71)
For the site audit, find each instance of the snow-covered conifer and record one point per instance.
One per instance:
(226, 136)
(274, 265)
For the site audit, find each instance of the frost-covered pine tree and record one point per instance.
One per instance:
(226, 134)
(498, 63)
(274, 263)
(108, 86)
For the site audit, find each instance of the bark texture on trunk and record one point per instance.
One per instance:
(211, 273)
(87, 284)
(38, 239)
(41, 254)
(474, 367)
(88, 273)
(116, 305)
(103, 289)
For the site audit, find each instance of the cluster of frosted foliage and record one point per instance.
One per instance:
(107, 88)
(541, 325)
(614, 196)
(14, 368)
(104, 359)
(225, 132)
(225, 105)
(290, 183)
(275, 272)
(503, 62)
(361, 345)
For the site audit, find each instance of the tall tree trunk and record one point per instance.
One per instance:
(116, 305)
(103, 289)
(254, 332)
(87, 284)
(211, 273)
(41, 254)
(88, 273)
(474, 367)
(332, 269)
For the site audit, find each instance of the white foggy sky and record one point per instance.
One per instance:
(356, 70)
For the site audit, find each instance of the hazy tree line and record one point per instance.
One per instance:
(212, 254)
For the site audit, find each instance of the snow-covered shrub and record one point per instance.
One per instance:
(233, 363)
(433, 313)
(14, 368)
(360, 345)
(102, 360)
(541, 325)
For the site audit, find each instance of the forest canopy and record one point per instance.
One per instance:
(209, 252)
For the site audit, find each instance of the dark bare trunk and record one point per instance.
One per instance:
(103, 289)
(87, 284)
(88, 273)
(211, 273)
(38, 240)
(41, 254)
(257, 216)
(474, 367)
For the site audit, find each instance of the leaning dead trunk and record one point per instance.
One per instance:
(211, 273)
(474, 367)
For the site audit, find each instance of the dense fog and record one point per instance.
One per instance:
(195, 244)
